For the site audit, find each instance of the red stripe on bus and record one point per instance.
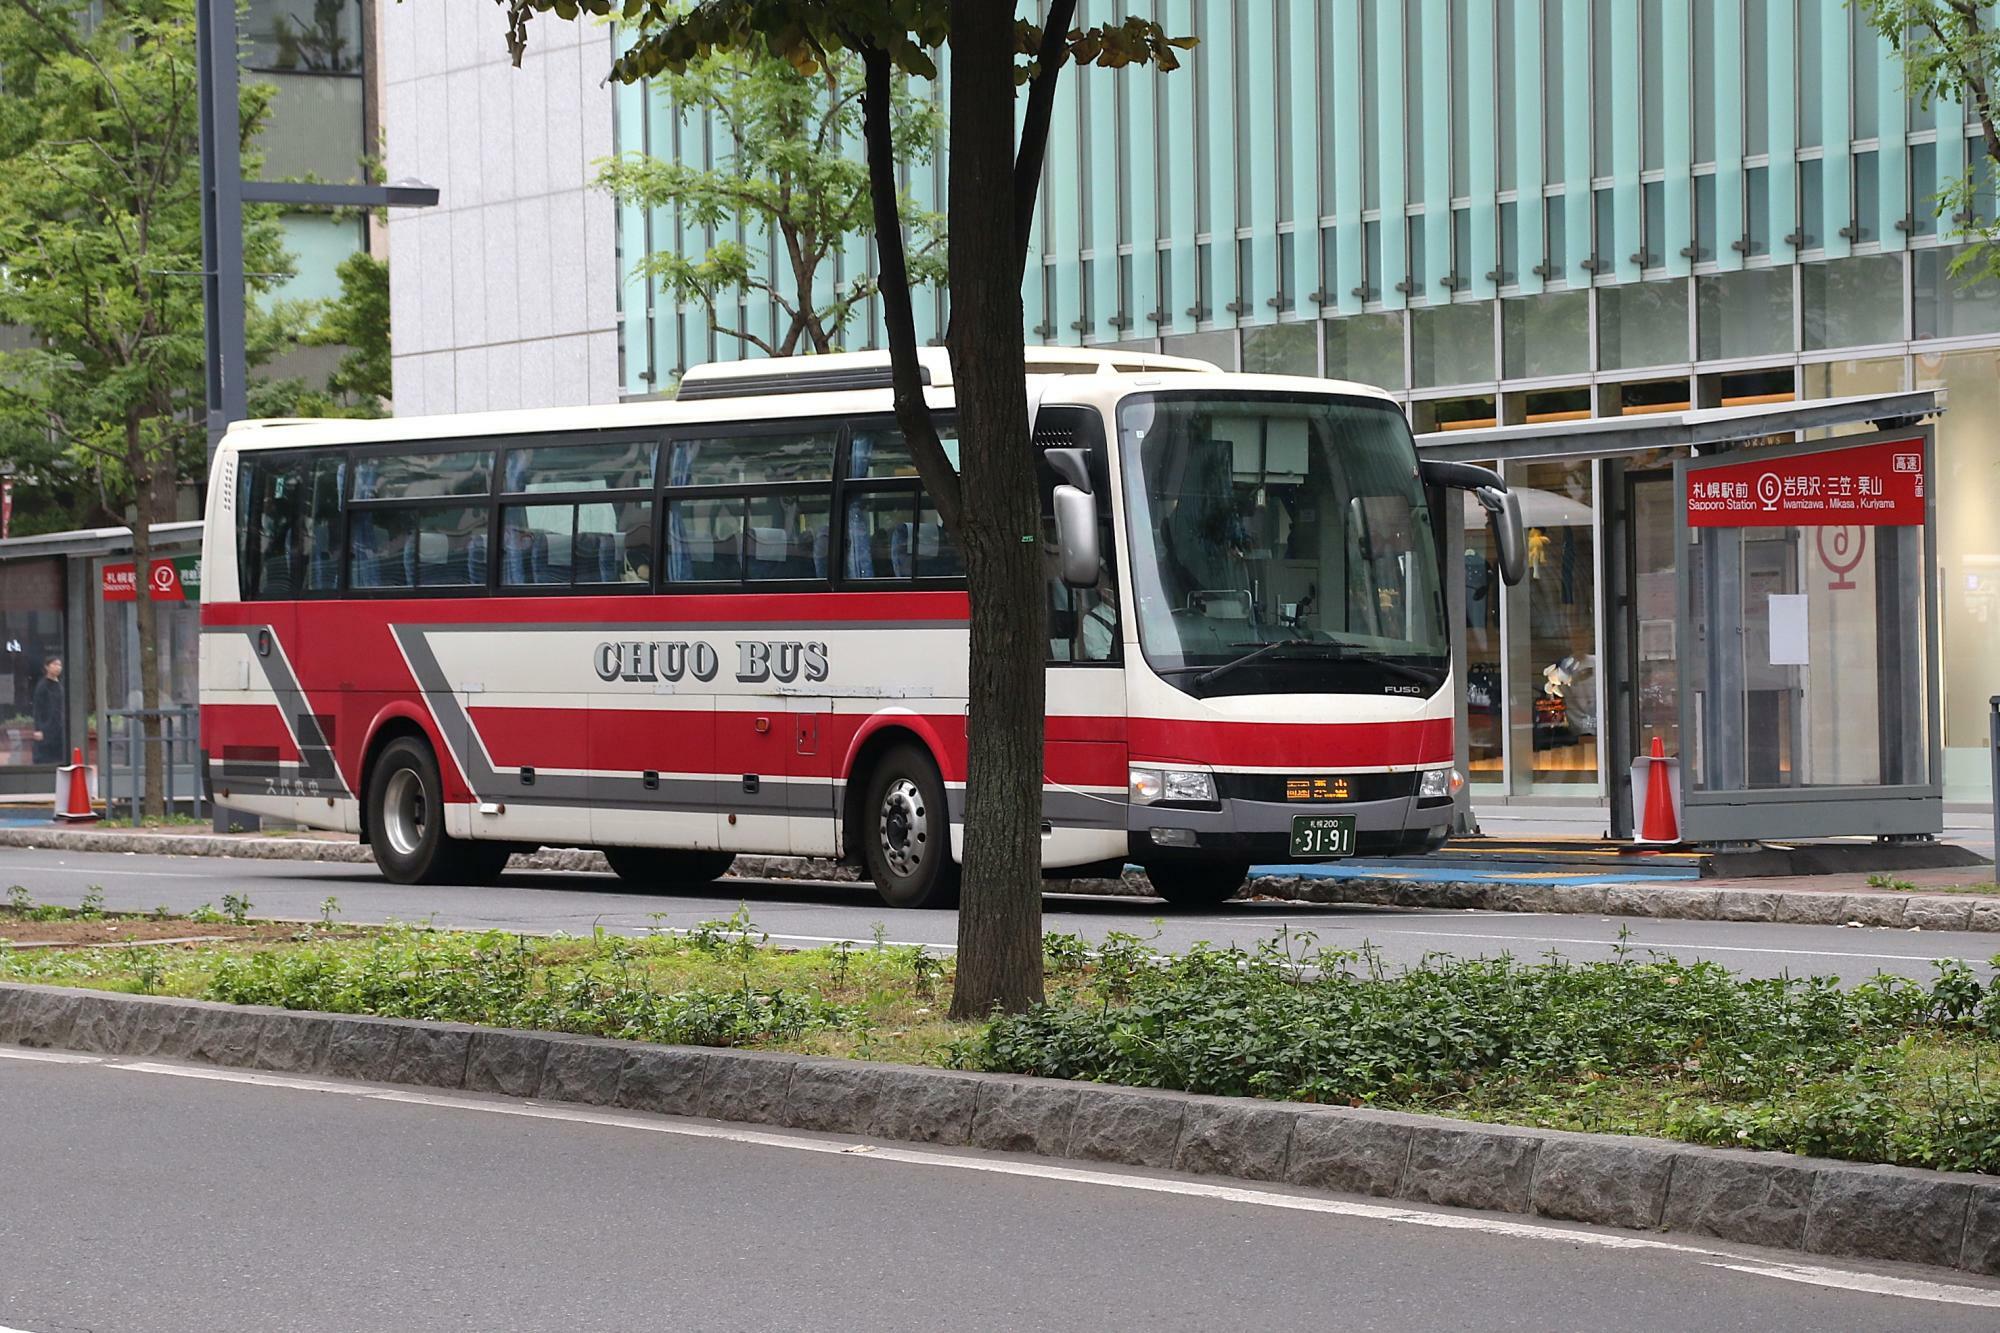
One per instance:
(247, 727)
(1308, 745)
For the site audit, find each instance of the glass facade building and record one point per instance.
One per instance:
(1507, 211)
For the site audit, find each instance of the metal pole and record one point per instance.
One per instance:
(1993, 743)
(221, 216)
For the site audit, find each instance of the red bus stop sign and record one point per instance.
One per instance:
(1871, 486)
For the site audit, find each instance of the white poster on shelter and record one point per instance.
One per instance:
(1788, 629)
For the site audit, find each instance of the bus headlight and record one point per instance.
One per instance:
(1147, 785)
(1438, 783)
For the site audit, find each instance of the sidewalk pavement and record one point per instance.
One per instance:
(1969, 826)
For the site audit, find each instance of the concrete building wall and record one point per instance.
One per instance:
(505, 294)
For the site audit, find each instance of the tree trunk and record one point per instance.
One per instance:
(145, 506)
(1000, 917)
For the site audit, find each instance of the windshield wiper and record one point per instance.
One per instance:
(1310, 651)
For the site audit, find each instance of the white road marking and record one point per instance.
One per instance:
(1905, 1288)
(49, 1057)
(1873, 1283)
(1653, 944)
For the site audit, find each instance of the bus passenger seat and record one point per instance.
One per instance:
(768, 550)
(820, 539)
(593, 554)
(555, 557)
(434, 555)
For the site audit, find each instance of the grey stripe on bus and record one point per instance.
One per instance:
(301, 723)
(775, 796)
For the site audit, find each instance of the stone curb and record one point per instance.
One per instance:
(1805, 907)
(1802, 907)
(1852, 1210)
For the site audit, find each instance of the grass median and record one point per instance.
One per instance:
(1889, 1070)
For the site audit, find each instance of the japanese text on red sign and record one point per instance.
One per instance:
(1875, 485)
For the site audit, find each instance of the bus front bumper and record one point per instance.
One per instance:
(1260, 832)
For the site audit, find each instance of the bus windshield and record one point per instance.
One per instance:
(1295, 520)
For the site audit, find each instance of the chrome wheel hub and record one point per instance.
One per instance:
(404, 812)
(903, 824)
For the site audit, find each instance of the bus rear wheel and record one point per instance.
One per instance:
(406, 823)
(662, 870)
(906, 831)
(1196, 884)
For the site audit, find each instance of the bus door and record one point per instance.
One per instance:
(755, 761)
(1084, 749)
(809, 796)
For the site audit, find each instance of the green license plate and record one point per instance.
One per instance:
(1322, 835)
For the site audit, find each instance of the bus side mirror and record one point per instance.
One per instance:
(1502, 506)
(1503, 516)
(1076, 536)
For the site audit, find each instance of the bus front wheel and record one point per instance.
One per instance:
(1196, 884)
(406, 823)
(906, 831)
(662, 870)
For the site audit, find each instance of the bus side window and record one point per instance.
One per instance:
(247, 504)
(322, 524)
(583, 520)
(751, 507)
(893, 530)
(280, 560)
(1083, 622)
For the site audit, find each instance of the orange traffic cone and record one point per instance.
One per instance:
(1660, 824)
(74, 782)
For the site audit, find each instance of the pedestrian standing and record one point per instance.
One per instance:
(51, 734)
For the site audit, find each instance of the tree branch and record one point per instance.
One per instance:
(1054, 54)
(744, 334)
(913, 413)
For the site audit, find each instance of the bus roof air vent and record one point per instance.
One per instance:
(840, 372)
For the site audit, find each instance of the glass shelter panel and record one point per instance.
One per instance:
(1485, 693)
(1806, 599)
(1554, 636)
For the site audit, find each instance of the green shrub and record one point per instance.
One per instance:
(507, 981)
(1286, 1021)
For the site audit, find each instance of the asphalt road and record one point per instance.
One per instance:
(805, 914)
(161, 1198)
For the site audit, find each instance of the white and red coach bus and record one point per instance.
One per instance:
(732, 622)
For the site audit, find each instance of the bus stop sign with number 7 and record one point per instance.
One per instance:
(1871, 485)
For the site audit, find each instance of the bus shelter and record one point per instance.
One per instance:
(1766, 611)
